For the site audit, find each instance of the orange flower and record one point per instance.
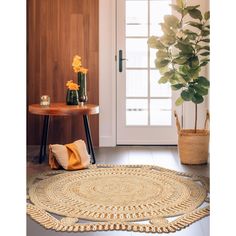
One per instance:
(77, 65)
(69, 82)
(83, 70)
(72, 86)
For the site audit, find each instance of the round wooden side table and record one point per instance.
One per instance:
(61, 109)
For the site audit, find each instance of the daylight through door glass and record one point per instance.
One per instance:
(147, 102)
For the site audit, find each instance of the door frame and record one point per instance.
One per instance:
(108, 79)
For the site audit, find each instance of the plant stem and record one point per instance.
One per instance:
(195, 127)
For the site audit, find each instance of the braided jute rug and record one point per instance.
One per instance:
(138, 198)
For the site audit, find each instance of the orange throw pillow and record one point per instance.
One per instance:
(72, 156)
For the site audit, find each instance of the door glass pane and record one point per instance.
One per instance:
(136, 53)
(136, 18)
(136, 111)
(152, 57)
(156, 89)
(151, 102)
(160, 111)
(136, 83)
(158, 8)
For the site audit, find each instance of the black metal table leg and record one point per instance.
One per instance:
(87, 135)
(43, 146)
(89, 139)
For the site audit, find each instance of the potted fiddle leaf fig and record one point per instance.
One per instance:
(182, 53)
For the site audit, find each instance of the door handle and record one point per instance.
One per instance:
(120, 60)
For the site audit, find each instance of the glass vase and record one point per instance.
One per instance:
(83, 88)
(72, 97)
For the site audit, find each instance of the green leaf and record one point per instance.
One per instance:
(179, 78)
(199, 48)
(161, 54)
(191, 90)
(185, 12)
(190, 35)
(167, 29)
(195, 24)
(186, 54)
(177, 8)
(186, 78)
(207, 48)
(189, 73)
(185, 42)
(192, 7)
(154, 42)
(170, 74)
(164, 70)
(180, 60)
(179, 101)
(194, 62)
(203, 81)
(186, 95)
(203, 63)
(205, 40)
(187, 31)
(166, 77)
(207, 15)
(197, 98)
(193, 73)
(205, 33)
(177, 86)
(172, 81)
(171, 21)
(162, 63)
(184, 70)
(159, 45)
(163, 80)
(167, 40)
(205, 53)
(195, 13)
(201, 90)
(184, 48)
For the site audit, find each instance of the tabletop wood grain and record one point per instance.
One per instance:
(61, 109)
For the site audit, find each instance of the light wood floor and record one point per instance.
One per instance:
(165, 156)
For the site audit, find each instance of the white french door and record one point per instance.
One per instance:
(144, 107)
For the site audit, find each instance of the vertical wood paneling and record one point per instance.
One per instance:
(56, 31)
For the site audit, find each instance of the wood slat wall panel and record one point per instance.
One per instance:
(56, 31)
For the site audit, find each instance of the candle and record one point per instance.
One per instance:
(45, 101)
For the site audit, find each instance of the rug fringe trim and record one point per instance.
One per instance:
(50, 222)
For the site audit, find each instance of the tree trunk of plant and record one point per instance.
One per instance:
(195, 127)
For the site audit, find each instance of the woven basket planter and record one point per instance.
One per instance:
(193, 147)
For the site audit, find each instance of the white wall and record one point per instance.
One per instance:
(107, 78)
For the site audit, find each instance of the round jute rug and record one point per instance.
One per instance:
(110, 197)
